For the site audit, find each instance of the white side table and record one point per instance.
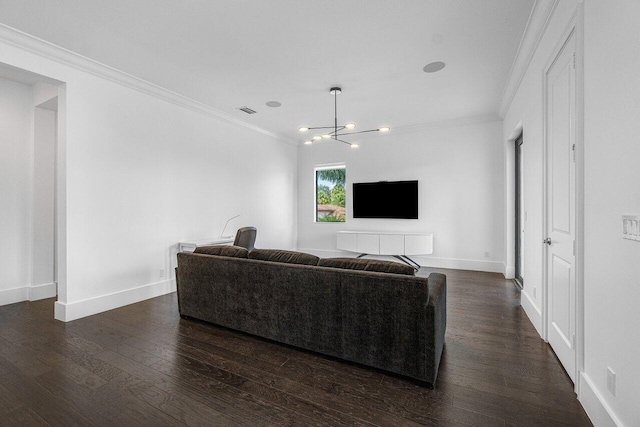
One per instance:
(191, 245)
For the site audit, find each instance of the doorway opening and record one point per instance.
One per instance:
(520, 214)
(33, 138)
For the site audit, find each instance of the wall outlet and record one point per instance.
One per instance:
(162, 272)
(611, 381)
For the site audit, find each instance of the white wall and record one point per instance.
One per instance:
(460, 172)
(15, 168)
(141, 173)
(526, 111)
(612, 153)
(44, 144)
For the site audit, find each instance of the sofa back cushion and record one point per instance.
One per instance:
(367, 265)
(223, 250)
(289, 257)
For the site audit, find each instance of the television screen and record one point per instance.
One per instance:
(386, 199)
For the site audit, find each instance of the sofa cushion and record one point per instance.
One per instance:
(368, 265)
(289, 257)
(223, 250)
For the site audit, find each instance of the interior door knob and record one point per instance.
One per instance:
(547, 241)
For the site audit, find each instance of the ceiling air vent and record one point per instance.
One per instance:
(247, 110)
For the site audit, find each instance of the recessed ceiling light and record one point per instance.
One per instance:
(273, 104)
(433, 67)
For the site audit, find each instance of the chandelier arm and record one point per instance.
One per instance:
(346, 142)
(321, 127)
(362, 131)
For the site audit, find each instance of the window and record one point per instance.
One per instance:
(330, 193)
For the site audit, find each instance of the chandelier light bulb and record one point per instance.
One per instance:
(303, 128)
(350, 126)
(326, 135)
(384, 129)
(355, 145)
(316, 137)
(309, 142)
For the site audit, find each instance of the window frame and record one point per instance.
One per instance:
(315, 191)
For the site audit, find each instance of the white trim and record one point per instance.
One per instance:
(595, 405)
(460, 264)
(14, 295)
(509, 201)
(539, 18)
(76, 310)
(64, 56)
(532, 311)
(38, 292)
(579, 256)
(573, 28)
(323, 167)
(508, 271)
(328, 166)
(443, 124)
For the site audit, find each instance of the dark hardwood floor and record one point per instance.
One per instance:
(142, 365)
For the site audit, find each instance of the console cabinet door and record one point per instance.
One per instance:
(369, 243)
(392, 244)
(348, 242)
(415, 244)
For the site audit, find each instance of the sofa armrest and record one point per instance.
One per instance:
(436, 322)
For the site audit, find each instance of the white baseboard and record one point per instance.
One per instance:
(594, 404)
(38, 292)
(509, 272)
(424, 261)
(76, 310)
(460, 264)
(531, 309)
(13, 295)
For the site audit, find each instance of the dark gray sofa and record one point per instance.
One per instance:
(393, 322)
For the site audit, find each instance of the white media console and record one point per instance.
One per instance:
(399, 245)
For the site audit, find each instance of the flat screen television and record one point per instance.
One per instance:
(386, 199)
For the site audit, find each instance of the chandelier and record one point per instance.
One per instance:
(338, 131)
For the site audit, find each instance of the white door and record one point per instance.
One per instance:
(561, 202)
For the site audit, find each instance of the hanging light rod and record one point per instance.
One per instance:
(335, 91)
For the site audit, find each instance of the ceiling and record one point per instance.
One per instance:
(235, 53)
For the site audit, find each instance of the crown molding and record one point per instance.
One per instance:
(444, 124)
(539, 18)
(64, 56)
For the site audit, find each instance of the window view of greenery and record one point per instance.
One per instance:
(330, 195)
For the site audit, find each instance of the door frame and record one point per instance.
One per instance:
(576, 28)
(519, 211)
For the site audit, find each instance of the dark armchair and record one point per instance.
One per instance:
(246, 237)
